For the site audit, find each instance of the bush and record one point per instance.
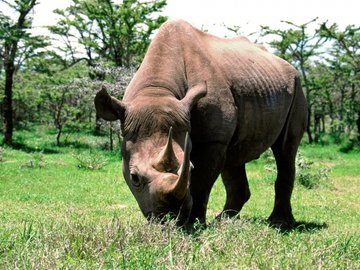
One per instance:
(90, 160)
(349, 146)
(306, 176)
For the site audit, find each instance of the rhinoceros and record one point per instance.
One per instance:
(200, 106)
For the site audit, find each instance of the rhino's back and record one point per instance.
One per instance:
(261, 86)
(249, 67)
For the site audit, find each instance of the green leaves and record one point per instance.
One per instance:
(119, 33)
(296, 43)
(329, 63)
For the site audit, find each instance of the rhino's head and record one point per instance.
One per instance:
(156, 149)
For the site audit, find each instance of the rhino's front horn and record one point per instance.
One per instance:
(167, 161)
(182, 184)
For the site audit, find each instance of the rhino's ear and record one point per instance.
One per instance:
(194, 94)
(108, 107)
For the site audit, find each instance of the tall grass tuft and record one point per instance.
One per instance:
(37, 161)
(1, 154)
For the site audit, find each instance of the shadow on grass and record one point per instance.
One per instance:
(50, 149)
(197, 229)
(28, 149)
(299, 226)
(304, 226)
(75, 145)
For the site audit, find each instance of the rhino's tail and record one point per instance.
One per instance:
(297, 118)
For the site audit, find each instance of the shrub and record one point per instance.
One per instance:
(90, 160)
(306, 176)
(349, 146)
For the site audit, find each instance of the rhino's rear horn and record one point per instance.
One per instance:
(182, 185)
(167, 161)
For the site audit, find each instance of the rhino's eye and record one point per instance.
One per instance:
(135, 180)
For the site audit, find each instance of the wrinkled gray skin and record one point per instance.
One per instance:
(231, 98)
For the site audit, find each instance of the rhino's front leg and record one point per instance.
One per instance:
(237, 190)
(208, 160)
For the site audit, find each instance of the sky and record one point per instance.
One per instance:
(250, 14)
(211, 15)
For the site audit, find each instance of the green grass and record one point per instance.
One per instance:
(62, 215)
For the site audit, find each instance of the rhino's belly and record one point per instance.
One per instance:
(260, 122)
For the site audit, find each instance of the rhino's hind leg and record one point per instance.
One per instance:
(284, 150)
(281, 215)
(237, 190)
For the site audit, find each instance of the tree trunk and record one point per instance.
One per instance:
(58, 135)
(10, 49)
(358, 127)
(8, 108)
(307, 94)
(341, 126)
(97, 125)
(317, 128)
(111, 138)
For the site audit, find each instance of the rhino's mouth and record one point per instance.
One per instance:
(172, 209)
(164, 213)
(161, 217)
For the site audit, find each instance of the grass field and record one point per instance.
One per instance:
(69, 208)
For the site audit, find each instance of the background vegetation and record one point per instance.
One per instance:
(52, 81)
(63, 200)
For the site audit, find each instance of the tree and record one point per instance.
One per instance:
(16, 45)
(345, 61)
(67, 97)
(298, 47)
(64, 101)
(119, 33)
(321, 82)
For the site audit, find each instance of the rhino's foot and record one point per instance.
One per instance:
(227, 214)
(282, 222)
(224, 216)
